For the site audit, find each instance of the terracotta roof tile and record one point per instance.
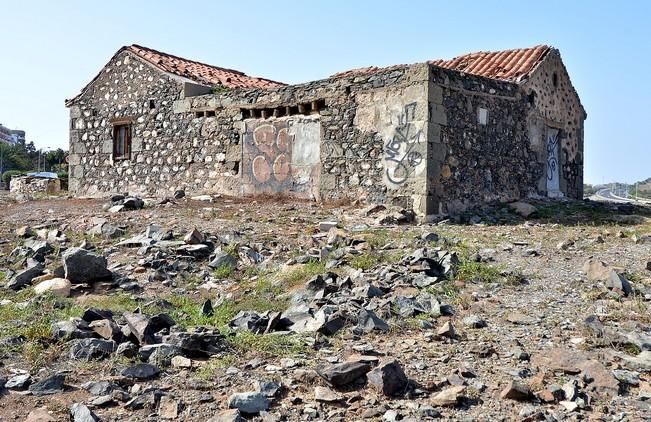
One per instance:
(200, 72)
(507, 65)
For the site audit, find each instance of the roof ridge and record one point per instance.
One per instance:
(162, 53)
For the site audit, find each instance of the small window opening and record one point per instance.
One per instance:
(121, 141)
(482, 116)
(532, 98)
(199, 114)
(93, 112)
(555, 79)
(152, 104)
(210, 113)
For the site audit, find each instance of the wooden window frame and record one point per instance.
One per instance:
(117, 125)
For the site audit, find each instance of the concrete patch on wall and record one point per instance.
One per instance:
(282, 156)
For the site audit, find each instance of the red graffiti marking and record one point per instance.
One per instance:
(264, 137)
(281, 167)
(261, 170)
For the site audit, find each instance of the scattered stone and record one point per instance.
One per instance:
(55, 286)
(473, 321)
(82, 266)
(596, 270)
(181, 362)
(565, 245)
(91, 348)
(144, 328)
(326, 395)
(49, 385)
(81, 413)
(249, 402)
(343, 373)
(569, 406)
(368, 322)
(229, 415)
(618, 283)
(141, 371)
(449, 396)
(446, 330)
(388, 377)
(40, 415)
(18, 382)
(25, 277)
(515, 390)
(169, 407)
(194, 237)
(223, 260)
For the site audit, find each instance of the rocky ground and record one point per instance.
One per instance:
(226, 309)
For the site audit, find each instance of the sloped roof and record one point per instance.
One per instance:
(200, 72)
(506, 65)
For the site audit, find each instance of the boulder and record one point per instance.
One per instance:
(55, 286)
(82, 266)
(144, 327)
(91, 348)
(388, 377)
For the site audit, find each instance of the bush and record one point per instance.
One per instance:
(7, 175)
(63, 177)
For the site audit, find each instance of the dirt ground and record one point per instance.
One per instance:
(524, 278)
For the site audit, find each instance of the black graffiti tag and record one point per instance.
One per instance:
(408, 135)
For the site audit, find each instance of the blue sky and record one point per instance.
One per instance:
(50, 49)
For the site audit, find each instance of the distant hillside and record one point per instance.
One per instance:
(643, 188)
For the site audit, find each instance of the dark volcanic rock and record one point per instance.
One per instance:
(81, 413)
(249, 402)
(25, 277)
(50, 385)
(144, 327)
(343, 373)
(388, 377)
(142, 371)
(91, 348)
(82, 266)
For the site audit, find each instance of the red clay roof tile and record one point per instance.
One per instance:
(507, 65)
(200, 72)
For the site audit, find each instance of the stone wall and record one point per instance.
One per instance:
(361, 153)
(169, 150)
(557, 105)
(478, 142)
(29, 186)
(418, 136)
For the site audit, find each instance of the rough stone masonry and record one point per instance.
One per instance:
(436, 137)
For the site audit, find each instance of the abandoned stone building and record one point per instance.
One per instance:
(436, 137)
